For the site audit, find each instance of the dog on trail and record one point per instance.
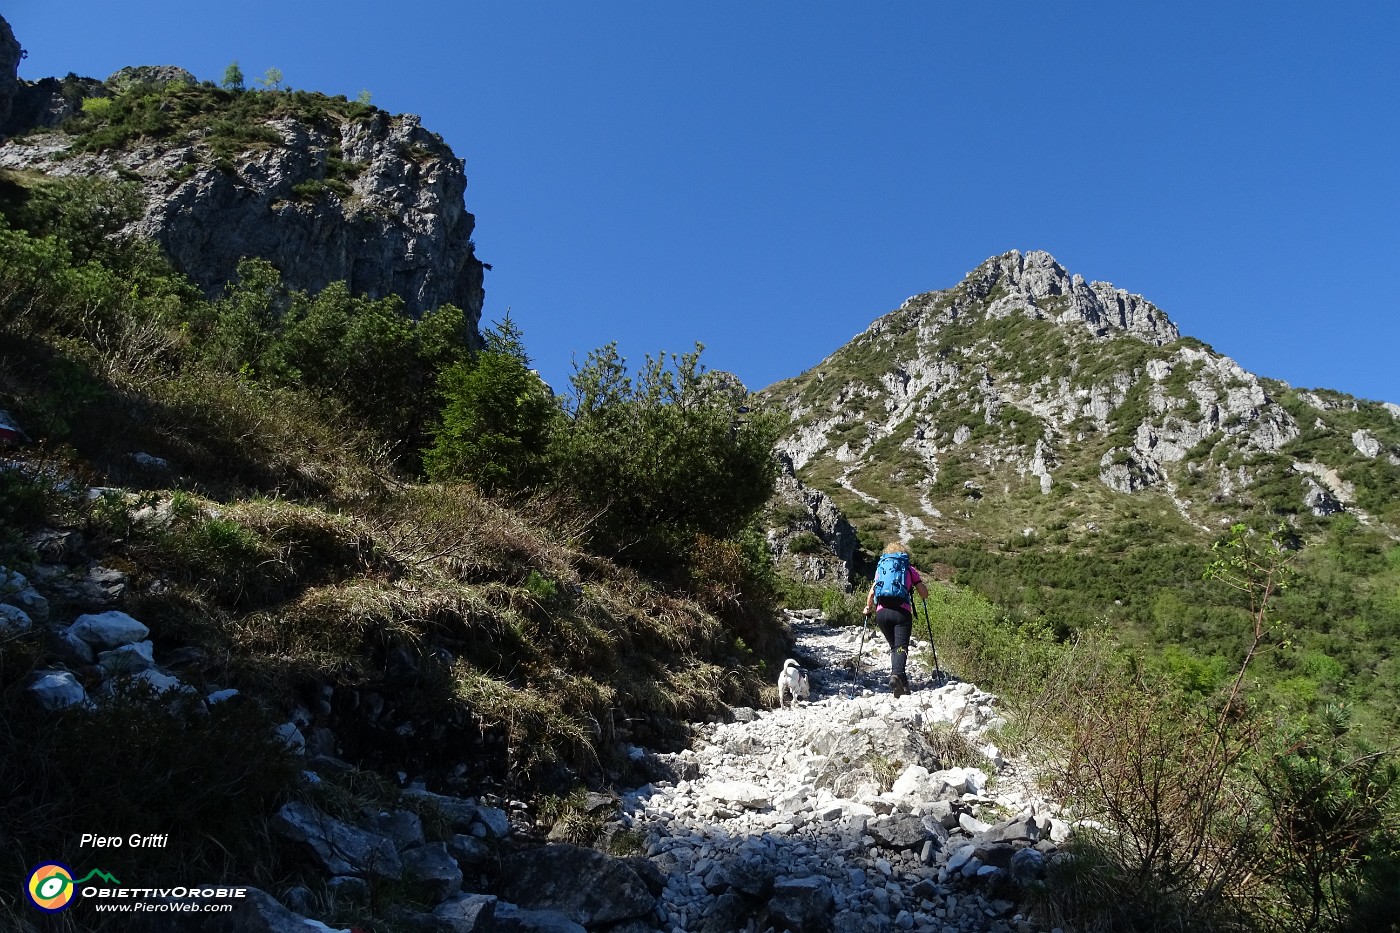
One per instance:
(793, 682)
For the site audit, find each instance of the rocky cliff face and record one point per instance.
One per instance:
(10, 55)
(332, 192)
(26, 105)
(992, 409)
(808, 534)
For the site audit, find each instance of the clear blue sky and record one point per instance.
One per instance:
(768, 177)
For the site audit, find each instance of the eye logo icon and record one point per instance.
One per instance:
(51, 887)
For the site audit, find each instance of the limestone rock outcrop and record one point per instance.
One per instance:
(402, 228)
(944, 416)
(325, 193)
(1036, 277)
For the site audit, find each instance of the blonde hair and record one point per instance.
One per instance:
(894, 547)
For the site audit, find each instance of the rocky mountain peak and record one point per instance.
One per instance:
(1034, 283)
(967, 409)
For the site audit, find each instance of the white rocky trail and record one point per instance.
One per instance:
(837, 814)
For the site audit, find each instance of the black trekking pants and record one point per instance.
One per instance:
(896, 625)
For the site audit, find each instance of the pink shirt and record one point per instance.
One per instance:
(911, 580)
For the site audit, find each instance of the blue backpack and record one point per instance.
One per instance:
(892, 579)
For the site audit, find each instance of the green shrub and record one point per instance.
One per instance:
(497, 420)
(97, 106)
(839, 608)
(363, 354)
(658, 461)
(1331, 839)
(27, 496)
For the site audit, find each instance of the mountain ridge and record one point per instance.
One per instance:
(1023, 373)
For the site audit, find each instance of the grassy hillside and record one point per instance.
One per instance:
(269, 525)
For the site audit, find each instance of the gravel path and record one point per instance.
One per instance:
(839, 814)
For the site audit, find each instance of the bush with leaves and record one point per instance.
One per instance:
(1331, 839)
(496, 420)
(365, 354)
(1209, 816)
(664, 457)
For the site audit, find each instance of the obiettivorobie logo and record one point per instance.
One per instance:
(51, 886)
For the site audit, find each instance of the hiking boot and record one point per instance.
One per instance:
(898, 685)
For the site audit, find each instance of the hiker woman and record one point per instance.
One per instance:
(895, 581)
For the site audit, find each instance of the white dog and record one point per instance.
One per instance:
(793, 682)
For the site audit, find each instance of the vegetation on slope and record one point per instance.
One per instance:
(1225, 722)
(1085, 556)
(290, 548)
(1217, 809)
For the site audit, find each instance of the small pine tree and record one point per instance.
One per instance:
(497, 418)
(663, 457)
(233, 77)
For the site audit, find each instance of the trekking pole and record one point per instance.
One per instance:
(938, 671)
(864, 626)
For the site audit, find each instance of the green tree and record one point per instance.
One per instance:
(665, 457)
(233, 77)
(496, 420)
(360, 351)
(271, 79)
(236, 330)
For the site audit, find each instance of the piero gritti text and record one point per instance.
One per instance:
(134, 841)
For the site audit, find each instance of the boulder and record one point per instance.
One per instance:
(432, 872)
(161, 684)
(128, 659)
(54, 690)
(349, 889)
(291, 737)
(338, 847)
(16, 590)
(69, 648)
(739, 793)
(1020, 829)
(1027, 865)
(460, 814)
(14, 621)
(726, 914)
(511, 918)
(468, 850)
(547, 878)
(803, 905)
(496, 821)
(402, 826)
(468, 913)
(106, 630)
(898, 832)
